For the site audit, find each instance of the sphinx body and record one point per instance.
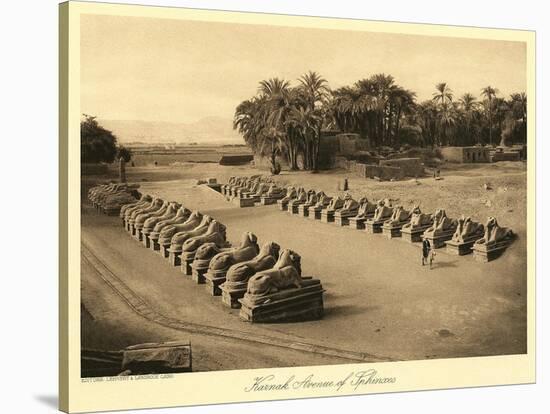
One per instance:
(170, 212)
(247, 250)
(180, 237)
(466, 230)
(265, 259)
(166, 234)
(145, 199)
(398, 217)
(286, 273)
(419, 219)
(350, 207)
(180, 217)
(383, 211)
(215, 233)
(142, 217)
(495, 234)
(441, 225)
(366, 209)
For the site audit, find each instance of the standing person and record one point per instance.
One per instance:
(432, 257)
(425, 251)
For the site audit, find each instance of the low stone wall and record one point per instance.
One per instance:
(411, 167)
(506, 156)
(382, 172)
(239, 159)
(465, 154)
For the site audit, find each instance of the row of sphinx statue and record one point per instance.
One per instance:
(459, 236)
(265, 282)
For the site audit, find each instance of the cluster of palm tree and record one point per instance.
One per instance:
(469, 121)
(287, 121)
(284, 120)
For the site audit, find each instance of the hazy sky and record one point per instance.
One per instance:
(180, 71)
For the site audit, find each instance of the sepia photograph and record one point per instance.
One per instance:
(290, 207)
(280, 196)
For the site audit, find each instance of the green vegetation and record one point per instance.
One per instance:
(282, 120)
(99, 144)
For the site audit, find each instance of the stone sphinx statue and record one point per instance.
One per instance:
(290, 194)
(418, 219)
(441, 225)
(265, 259)
(169, 213)
(180, 217)
(247, 250)
(261, 189)
(350, 207)
(171, 230)
(179, 238)
(383, 211)
(366, 208)
(274, 191)
(311, 198)
(398, 216)
(286, 273)
(147, 202)
(155, 204)
(323, 200)
(494, 233)
(335, 203)
(215, 233)
(143, 216)
(145, 199)
(467, 229)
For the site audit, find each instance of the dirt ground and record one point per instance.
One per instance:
(378, 300)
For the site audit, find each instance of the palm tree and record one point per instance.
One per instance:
(315, 91)
(490, 93)
(443, 97)
(469, 107)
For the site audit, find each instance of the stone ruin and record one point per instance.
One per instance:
(109, 198)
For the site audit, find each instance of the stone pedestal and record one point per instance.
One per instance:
(186, 260)
(154, 242)
(392, 231)
(327, 216)
(265, 201)
(373, 227)
(439, 241)
(131, 229)
(232, 292)
(303, 210)
(174, 258)
(314, 213)
(146, 240)
(485, 254)
(165, 250)
(243, 202)
(294, 304)
(461, 248)
(282, 204)
(213, 281)
(341, 220)
(293, 208)
(358, 223)
(138, 235)
(414, 235)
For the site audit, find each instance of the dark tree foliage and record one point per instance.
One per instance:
(124, 153)
(97, 143)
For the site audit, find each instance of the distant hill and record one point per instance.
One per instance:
(206, 130)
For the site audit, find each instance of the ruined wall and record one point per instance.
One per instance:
(383, 172)
(239, 159)
(465, 154)
(411, 167)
